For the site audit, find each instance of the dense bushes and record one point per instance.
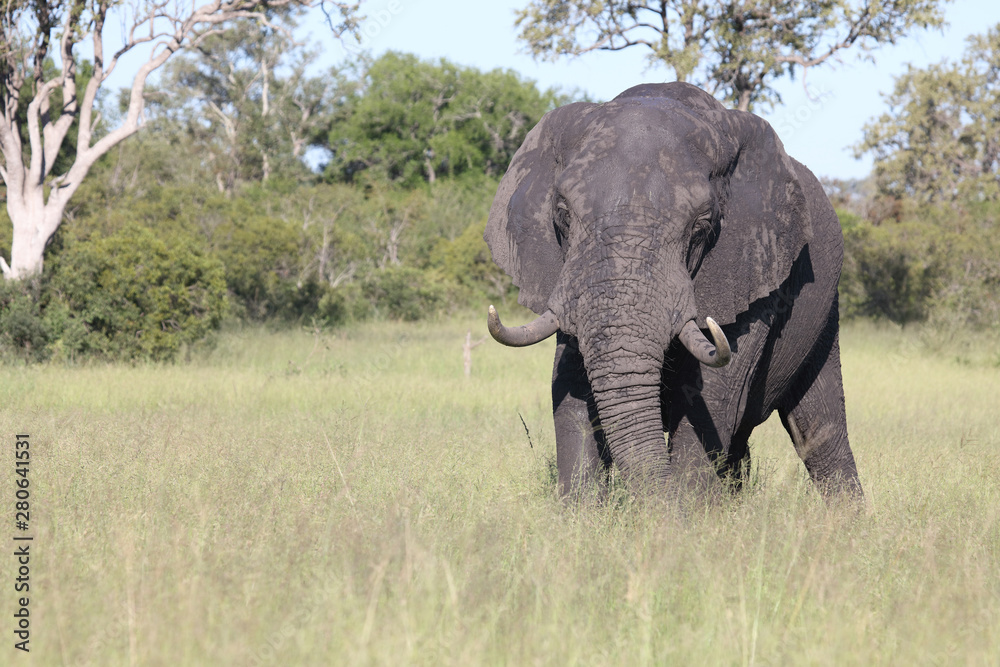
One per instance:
(129, 295)
(260, 256)
(405, 293)
(23, 332)
(940, 265)
(141, 275)
(890, 272)
(161, 271)
(133, 295)
(146, 271)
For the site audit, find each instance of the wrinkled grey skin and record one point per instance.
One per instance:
(630, 218)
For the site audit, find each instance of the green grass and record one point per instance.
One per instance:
(354, 499)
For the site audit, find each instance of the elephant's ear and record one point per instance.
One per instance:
(764, 222)
(521, 230)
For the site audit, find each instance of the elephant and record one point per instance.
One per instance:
(688, 268)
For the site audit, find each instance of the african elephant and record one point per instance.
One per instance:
(632, 226)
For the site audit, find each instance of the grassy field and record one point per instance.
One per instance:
(352, 498)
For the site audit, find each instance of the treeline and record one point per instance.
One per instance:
(361, 193)
(260, 193)
(148, 274)
(922, 234)
(936, 265)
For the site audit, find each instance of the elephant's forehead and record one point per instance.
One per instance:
(647, 126)
(595, 187)
(640, 148)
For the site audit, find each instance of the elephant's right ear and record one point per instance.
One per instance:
(521, 229)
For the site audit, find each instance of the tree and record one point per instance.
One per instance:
(37, 194)
(413, 121)
(735, 49)
(940, 140)
(245, 102)
(331, 253)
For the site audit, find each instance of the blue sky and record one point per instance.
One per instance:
(818, 133)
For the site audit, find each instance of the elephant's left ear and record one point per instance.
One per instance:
(765, 221)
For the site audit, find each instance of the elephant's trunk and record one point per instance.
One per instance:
(623, 355)
(629, 405)
(638, 298)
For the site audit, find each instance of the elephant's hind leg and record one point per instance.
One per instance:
(816, 420)
(582, 456)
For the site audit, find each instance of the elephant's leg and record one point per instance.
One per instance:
(735, 468)
(816, 420)
(581, 453)
(696, 456)
(698, 448)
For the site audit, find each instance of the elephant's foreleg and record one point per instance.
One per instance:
(816, 420)
(581, 453)
(699, 461)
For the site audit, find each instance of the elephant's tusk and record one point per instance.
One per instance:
(717, 355)
(541, 328)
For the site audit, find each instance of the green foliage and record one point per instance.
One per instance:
(848, 220)
(738, 50)
(938, 266)
(889, 272)
(414, 121)
(260, 256)
(6, 233)
(132, 295)
(342, 305)
(940, 140)
(466, 261)
(23, 333)
(126, 295)
(244, 102)
(405, 293)
(325, 254)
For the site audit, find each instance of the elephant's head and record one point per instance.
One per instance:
(634, 222)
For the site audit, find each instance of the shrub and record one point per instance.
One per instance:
(343, 304)
(132, 295)
(23, 334)
(941, 266)
(969, 293)
(405, 293)
(466, 261)
(260, 255)
(891, 272)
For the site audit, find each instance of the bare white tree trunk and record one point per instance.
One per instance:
(429, 166)
(395, 235)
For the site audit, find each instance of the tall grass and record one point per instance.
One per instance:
(352, 498)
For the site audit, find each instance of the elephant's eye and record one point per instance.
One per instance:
(701, 229)
(703, 225)
(560, 221)
(703, 234)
